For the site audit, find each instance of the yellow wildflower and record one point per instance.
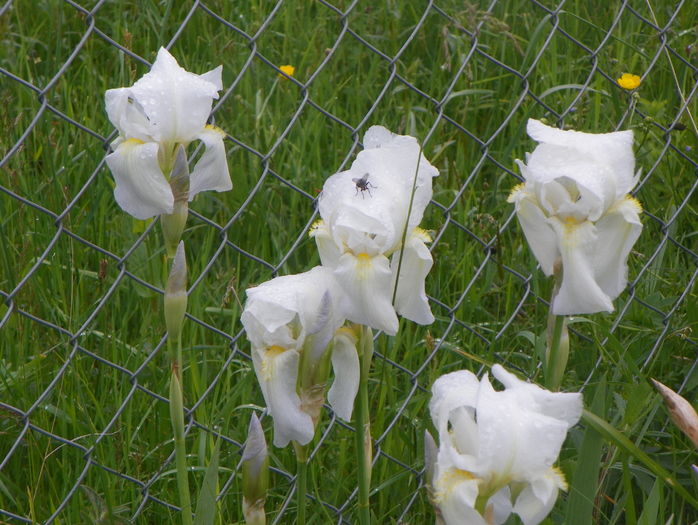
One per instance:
(288, 69)
(629, 81)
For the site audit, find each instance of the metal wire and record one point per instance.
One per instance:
(78, 346)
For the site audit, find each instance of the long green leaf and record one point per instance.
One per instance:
(206, 503)
(580, 504)
(650, 512)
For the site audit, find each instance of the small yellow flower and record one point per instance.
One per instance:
(629, 81)
(289, 70)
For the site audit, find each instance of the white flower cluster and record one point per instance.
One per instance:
(293, 322)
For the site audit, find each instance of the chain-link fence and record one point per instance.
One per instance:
(462, 77)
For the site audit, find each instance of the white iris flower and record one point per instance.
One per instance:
(364, 216)
(497, 448)
(165, 108)
(574, 208)
(291, 322)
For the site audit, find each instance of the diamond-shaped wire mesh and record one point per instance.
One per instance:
(462, 77)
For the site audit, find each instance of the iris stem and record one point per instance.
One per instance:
(177, 417)
(557, 354)
(301, 481)
(363, 425)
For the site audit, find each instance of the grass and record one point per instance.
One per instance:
(82, 357)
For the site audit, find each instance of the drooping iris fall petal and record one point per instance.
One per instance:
(141, 188)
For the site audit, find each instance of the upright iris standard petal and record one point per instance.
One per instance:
(176, 102)
(574, 209)
(612, 150)
(141, 188)
(497, 448)
(366, 212)
(127, 115)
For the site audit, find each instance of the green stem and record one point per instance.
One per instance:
(177, 416)
(557, 354)
(301, 481)
(174, 345)
(363, 425)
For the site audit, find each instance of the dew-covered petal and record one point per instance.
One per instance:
(284, 310)
(345, 364)
(564, 406)
(366, 206)
(141, 188)
(363, 221)
(617, 232)
(176, 102)
(517, 442)
(448, 393)
(127, 115)
(591, 185)
(613, 150)
(366, 284)
(211, 171)
(267, 319)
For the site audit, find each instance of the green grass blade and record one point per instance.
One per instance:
(650, 512)
(622, 442)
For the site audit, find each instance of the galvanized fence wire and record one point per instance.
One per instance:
(24, 418)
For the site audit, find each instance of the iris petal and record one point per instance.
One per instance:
(617, 232)
(176, 102)
(345, 363)
(411, 299)
(277, 373)
(366, 283)
(141, 188)
(579, 292)
(211, 171)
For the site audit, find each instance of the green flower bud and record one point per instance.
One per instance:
(255, 474)
(176, 294)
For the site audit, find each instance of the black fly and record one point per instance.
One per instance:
(363, 185)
